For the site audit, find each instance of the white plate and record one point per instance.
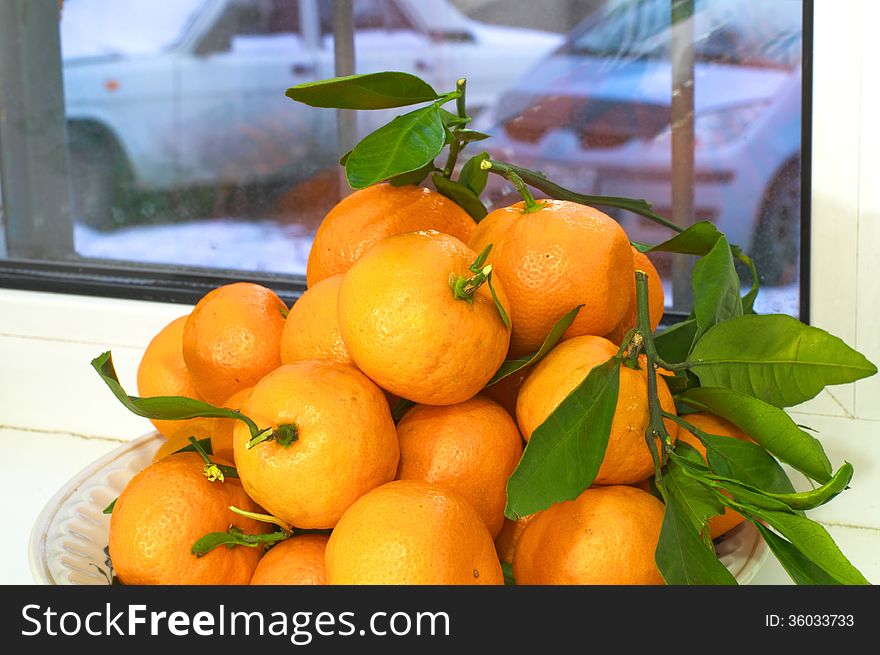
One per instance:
(68, 543)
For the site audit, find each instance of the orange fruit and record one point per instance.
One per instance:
(412, 532)
(232, 339)
(162, 372)
(554, 259)
(346, 442)
(607, 535)
(295, 561)
(656, 299)
(311, 330)
(508, 537)
(369, 215)
(404, 327)
(716, 425)
(470, 448)
(627, 457)
(164, 510)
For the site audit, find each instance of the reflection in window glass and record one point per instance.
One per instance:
(184, 149)
(595, 116)
(185, 152)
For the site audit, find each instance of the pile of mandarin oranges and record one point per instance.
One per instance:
(396, 315)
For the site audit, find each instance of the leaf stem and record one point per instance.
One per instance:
(285, 434)
(265, 518)
(461, 87)
(512, 176)
(457, 142)
(656, 429)
(212, 470)
(454, 149)
(539, 181)
(464, 288)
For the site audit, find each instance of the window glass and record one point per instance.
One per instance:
(184, 152)
(596, 116)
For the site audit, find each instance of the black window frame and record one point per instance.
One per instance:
(101, 278)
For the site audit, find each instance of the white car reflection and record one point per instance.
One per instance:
(171, 95)
(595, 116)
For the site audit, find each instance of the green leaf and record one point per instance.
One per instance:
(804, 500)
(511, 366)
(109, 508)
(370, 91)
(678, 383)
(472, 176)
(812, 540)
(799, 567)
(748, 300)
(698, 239)
(685, 554)
(166, 408)
(775, 358)
(746, 461)
(767, 425)
(461, 195)
(507, 571)
(565, 451)
(716, 288)
(204, 444)
(674, 343)
(501, 311)
(413, 177)
(469, 136)
(234, 537)
(451, 120)
(408, 143)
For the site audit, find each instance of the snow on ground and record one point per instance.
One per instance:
(261, 245)
(270, 247)
(770, 300)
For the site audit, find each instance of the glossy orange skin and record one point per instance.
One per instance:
(346, 442)
(164, 510)
(554, 259)
(369, 215)
(718, 525)
(296, 561)
(232, 339)
(311, 330)
(656, 300)
(606, 536)
(627, 458)
(412, 532)
(471, 448)
(163, 372)
(406, 330)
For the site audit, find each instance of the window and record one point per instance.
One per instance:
(179, 162)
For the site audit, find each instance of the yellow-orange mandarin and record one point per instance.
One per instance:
(345, 442)
(369, 215)
(554, 259)
(405, 328)
(412, 532)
